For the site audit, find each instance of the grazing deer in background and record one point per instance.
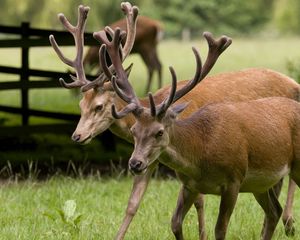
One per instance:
(221, 149)
(148, 35)
(96, 105)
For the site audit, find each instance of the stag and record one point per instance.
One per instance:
(148, 35)
(97, 100)
(221, 149)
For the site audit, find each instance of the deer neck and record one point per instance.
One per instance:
(187, 145)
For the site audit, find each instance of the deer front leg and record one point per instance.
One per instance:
(199, 205)
(184, 202)
(228, 201)
(140, 184)
(287, 216)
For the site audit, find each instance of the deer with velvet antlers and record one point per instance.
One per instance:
(221, 149)
(98, 97)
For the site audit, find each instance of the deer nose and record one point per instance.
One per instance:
(135, 165)
(76, 137)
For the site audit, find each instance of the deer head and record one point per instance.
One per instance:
(98, 95)
(151, 130)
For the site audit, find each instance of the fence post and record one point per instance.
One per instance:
(24, 74)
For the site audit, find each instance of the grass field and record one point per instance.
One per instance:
(34, 210)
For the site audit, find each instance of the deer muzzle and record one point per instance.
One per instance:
(78, 138)
(137, 166)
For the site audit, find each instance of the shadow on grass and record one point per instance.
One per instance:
(43, 155)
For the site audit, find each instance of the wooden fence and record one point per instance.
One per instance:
(26, 38)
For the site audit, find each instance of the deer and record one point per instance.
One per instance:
(148, 34)
(97, 100)
(221, 149)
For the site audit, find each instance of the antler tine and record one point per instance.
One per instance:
(78, 35)
(128, 109)
(175, 95)
(59, 52)
(109, 31)
(152, 105)
(216, 48)
(168, 101)
(103, 63)
(131, 13)
(124, 96)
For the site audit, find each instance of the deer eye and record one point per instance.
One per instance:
(99, 108)
(159, 133)
(132, 130)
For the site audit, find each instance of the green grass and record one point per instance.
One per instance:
(30, 210)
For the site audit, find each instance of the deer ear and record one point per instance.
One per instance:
(177, 109)
(128, 69)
